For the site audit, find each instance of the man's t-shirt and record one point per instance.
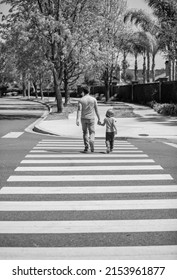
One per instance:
(88, 104)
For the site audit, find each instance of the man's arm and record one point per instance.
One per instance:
(97, 113)
(78, 113)
(103, 124)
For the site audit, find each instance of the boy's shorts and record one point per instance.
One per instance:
(110, 136)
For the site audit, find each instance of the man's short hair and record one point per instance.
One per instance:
(85, 90)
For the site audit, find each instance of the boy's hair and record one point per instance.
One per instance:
(85, 90)
(109, 113)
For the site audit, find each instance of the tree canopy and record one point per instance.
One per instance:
(64, 41)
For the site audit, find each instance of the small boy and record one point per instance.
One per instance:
(111, 130)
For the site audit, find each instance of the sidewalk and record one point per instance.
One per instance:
(146, 123)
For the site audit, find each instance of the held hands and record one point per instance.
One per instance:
(77, 122)
(99, 122)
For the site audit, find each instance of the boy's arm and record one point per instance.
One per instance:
(78, 113)
(114, 126)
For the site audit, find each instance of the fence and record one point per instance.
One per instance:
(163, 92)
(169, 92)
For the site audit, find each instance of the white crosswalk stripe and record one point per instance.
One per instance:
(89, 156)
(101, 177)
(88, 168)
(92, 253)
(88, 205)
(95, 161)
(171, 144)
(12, 135)
(87, 226)
(62, 147)
(76, 151)
(64, 204)
(90, 189)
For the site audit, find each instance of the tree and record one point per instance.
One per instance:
(23, 43)
(128, 76)
(150, 26)
(7, 65)
(166, 12)
(57, 25)
(103, 52)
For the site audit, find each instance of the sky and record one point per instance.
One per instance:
(4, 8)
(138, 4)
(131, 4)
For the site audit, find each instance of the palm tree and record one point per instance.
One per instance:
(151, 28)
(156, 47)
(166, 12)
(125, 47)
(144, 37)
(138, 46)
(135, 43)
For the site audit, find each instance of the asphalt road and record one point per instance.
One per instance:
(39, 194)
(15, 116)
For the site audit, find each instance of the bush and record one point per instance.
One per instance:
(165, 109)
(151, 104)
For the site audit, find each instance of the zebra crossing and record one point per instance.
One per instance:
(61, 203)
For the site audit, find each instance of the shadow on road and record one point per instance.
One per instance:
(166, 121)
(18, 117)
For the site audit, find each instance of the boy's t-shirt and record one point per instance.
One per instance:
(110, 124)
(88, 104)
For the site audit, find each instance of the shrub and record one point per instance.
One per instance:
(166, 109)
(151, 104)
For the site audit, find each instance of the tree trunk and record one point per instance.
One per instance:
(107, 86)
(35, 89)
(170, 69)
(57, 91)
(173, 70)
(175, 59)
(136, 67)
(41, 89)
(67, 96)
(107, 92)
(124, 66)
(148, 67)
(153, 67)
(24, 84)
(41, 86)
(169, 63)
(144, 68)
(174, 62)
(29, 87)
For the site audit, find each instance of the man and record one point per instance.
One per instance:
(88, 107)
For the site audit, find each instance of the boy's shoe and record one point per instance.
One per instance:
(108, 150)
(111, 150)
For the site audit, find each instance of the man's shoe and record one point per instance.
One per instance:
(91, 147)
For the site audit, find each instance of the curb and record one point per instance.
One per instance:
(33, 127)
(36, 129)
(43, 103)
